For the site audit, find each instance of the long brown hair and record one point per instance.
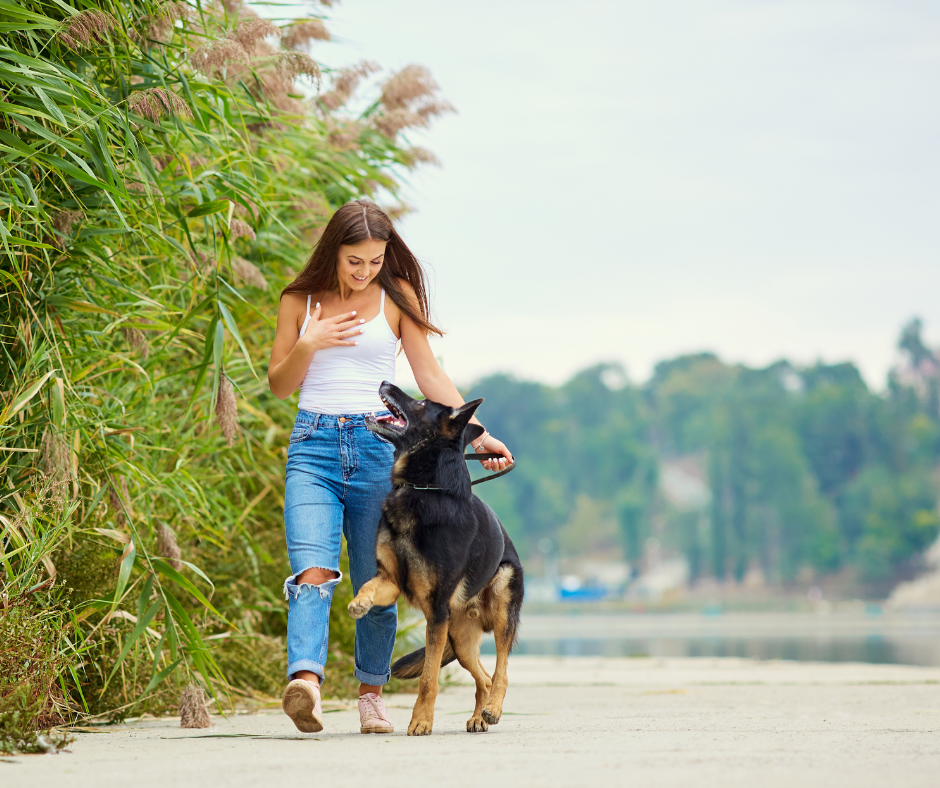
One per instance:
(363, 220)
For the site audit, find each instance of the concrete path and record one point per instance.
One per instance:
(568, 722)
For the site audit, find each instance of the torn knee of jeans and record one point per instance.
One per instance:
(317, 575)
(294, 589)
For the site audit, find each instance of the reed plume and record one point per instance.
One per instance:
(409, 99)
(212, 58)
(252, 31)
(86, 29)
(63, 221)
(301, 35)
(417, 155)
(226, 409)
(168, 547)
(193, 709)
(154, 103)
(54, 458)
(239, 229)
(346, 82)
(344, 134)
(120, 502)
(246, 272)
(291, 65)
(157, 28)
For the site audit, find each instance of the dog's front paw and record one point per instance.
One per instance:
(476, 725)
(420, 728)
(359, 607)
(492, 714)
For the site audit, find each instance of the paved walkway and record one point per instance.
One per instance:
(568, 722)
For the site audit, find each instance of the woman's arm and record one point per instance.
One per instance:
(291, 353)
(435, 385)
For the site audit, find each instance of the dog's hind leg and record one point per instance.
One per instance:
(465, 637)
(378, 591)
(505, 619)
(422, 718)
(493, 709)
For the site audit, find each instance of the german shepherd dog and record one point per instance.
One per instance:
(446, 551)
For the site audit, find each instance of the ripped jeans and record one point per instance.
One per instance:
(338, 474)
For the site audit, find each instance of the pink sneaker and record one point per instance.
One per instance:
(372, 715)
(302, 704)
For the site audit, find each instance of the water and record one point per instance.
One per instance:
(908, 639)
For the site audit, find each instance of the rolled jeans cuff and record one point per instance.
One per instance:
(304, 664)
(372, 679)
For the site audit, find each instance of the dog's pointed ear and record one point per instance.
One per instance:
(460, 417)
(471, 432)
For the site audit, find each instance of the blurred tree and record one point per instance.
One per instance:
(807, 467)
(924, 366)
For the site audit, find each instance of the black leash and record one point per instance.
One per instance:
(468, 457)
(486, 455)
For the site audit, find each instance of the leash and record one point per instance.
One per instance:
(488, 456)
(468, 457)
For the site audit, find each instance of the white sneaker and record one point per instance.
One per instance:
(302, 704)
(372, 715)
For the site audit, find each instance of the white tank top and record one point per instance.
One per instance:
(345, 379)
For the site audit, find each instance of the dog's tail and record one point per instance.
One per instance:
(412, 665)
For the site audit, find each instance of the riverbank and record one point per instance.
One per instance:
(869, 634)
(568, 721)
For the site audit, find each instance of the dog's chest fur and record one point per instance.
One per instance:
(430, 548)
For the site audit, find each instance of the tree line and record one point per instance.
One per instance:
(808, 469)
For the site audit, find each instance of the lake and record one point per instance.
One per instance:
(869, 636)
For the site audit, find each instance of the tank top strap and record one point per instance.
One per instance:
(382, 303)
(307, 318)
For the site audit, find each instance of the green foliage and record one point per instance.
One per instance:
(162, 179)
(808, 470)
(21, 721)
(30, 665)
(580, 439)
(890, 516)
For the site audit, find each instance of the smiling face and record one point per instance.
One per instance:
(358, 264)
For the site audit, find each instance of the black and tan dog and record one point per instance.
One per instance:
(446, 551)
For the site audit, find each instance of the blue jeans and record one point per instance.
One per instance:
(338, 474)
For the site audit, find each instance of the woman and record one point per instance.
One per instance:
(368, 292)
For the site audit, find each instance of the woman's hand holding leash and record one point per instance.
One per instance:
(331, 331)
(493, 446)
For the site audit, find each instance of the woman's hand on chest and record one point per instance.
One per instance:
(338, 331)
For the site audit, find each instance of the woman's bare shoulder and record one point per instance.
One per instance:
(291, 302)
(294, 307)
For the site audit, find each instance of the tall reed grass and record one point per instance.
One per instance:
(164, 172)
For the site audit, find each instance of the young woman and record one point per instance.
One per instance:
(338, 329)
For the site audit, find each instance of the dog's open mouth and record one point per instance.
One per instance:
(395, 425)
(396, 419)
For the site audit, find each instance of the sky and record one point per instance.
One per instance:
(629, 181)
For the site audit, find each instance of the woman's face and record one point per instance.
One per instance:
(358, 264)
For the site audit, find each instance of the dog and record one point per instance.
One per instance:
(446, 551)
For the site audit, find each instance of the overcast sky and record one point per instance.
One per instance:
(629, 181)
